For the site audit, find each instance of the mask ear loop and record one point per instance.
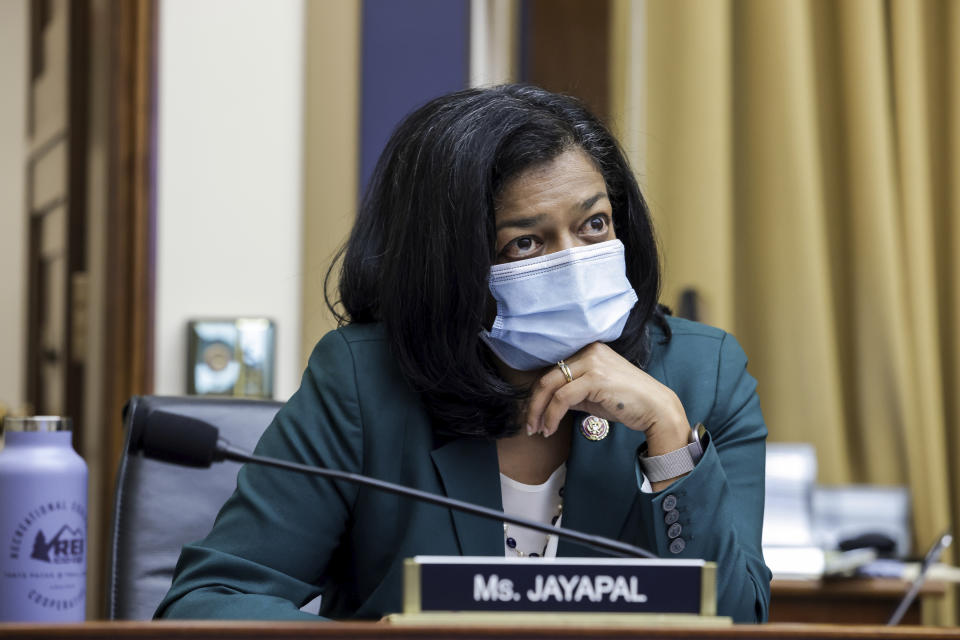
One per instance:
(490, 312)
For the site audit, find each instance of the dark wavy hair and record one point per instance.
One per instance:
(420, 252)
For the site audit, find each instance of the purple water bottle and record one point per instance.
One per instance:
(43, 522)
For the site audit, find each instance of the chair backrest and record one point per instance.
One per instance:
(158, 507)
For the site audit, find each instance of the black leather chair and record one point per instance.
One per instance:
(160, 507)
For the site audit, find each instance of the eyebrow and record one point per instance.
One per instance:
(592, 200)
(523, 223)
(532, 221)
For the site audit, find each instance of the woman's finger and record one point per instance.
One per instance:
(543, 391)
(567, 396)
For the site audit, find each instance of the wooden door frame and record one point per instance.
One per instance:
(109, 130)
(131, 214)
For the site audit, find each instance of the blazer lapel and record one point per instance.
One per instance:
(601, 485)
(470, 472)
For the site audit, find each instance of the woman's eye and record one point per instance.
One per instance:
(521, 247)
(596, 225)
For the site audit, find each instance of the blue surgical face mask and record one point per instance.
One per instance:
(550, 307)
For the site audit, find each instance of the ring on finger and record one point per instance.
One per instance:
(565, 370)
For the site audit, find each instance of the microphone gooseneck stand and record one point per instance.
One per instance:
(226, 451)
(939, 546)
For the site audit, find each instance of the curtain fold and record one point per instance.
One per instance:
(803, 166)
(948, 233)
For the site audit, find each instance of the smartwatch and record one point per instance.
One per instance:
(675, 463)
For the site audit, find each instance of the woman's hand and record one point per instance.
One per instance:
(608, 386)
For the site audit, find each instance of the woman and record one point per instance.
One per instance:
(500, 343)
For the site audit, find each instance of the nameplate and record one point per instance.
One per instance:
(590, 585)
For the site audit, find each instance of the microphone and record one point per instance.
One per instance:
(183, 440)
(928, 561)
(191, 442)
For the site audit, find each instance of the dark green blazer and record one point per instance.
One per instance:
(282, 538)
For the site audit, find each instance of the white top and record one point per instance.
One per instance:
(536, 502)
(539, 502)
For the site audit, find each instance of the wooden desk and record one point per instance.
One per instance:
(368, 630)
(853, 601)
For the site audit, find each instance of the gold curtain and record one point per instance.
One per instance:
(802, 160)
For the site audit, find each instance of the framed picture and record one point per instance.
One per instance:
(231, 357)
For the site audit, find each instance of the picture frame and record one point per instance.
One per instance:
(231, 357)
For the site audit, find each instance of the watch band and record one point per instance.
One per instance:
(675, 463)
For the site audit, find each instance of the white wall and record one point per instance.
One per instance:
(13, 231)
(229, 174)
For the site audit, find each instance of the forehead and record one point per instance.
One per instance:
(562, 182)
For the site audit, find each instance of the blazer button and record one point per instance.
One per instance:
(671, 517)
(674, 530)
(677, 545)
(669, 503)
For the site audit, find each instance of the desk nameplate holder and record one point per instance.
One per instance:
(616, 592)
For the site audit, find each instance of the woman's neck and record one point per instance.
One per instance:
(531, 459)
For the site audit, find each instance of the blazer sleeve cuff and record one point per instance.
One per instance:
(680, 515)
